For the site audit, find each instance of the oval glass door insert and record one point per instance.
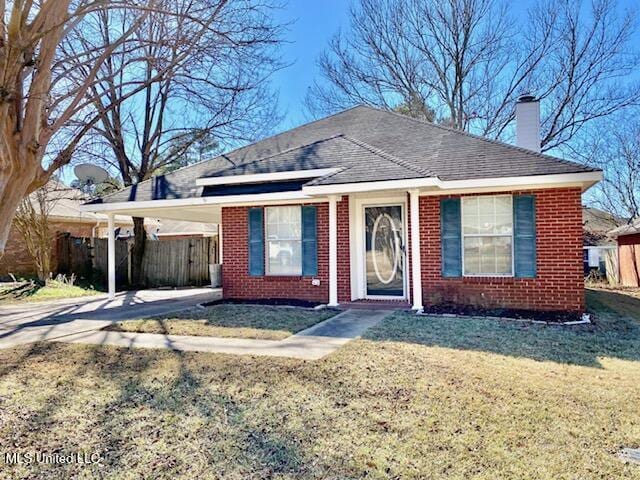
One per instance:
(384, 258)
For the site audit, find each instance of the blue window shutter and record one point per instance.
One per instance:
(524, 235)
(256, 241)
(450, 236)
(309, 240)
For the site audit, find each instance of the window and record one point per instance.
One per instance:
(487, 230)
(284, 240)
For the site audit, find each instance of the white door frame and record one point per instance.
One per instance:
(359, 267)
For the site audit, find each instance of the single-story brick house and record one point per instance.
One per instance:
(369, 204)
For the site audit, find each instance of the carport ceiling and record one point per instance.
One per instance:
(203, 214)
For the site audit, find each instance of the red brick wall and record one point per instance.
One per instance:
(629, 258)
(238, 284)
(559, 281)
(16, 259)
(558, 285)
(344, 256)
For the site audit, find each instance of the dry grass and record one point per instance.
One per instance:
(31, 291)
(418, 398)
(237, 321)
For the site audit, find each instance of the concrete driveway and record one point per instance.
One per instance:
(32, 322)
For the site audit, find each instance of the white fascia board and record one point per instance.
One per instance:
(257, 198)
(120, 220)
(265, 177)
(584, 179)
(345, 188)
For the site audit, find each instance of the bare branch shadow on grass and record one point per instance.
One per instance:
(161, 415)
(221, 433)
(264, 322)
(32, 429)
(20, 292)
(615, 333)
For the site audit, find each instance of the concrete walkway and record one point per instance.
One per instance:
(32, 322)
(310, 344)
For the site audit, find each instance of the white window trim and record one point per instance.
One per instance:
(267, 273)
(480, 235)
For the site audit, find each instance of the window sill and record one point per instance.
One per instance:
(282, 277)
(489, 279)
(488, 276)
(285, 277)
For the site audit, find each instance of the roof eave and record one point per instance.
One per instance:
(436, 186)
(315, 193)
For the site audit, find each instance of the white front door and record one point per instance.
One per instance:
(384, 251)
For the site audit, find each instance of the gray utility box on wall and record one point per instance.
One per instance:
(215, 272)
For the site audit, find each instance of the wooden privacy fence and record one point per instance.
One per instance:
(166, 263)
(176, 262)
(100, 260)
(73, 255)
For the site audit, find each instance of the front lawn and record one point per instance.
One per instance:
(238, 321)
(418, 397)
(32, 291)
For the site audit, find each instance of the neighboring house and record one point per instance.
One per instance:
(176, 229)
(373, 205)
(628, 241)
(158, 229)
(65, 217)
(599, 249)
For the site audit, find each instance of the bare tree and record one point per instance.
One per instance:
(32, 223)
(203, 67)
(469, 60)
(36, 99)
(615, 147)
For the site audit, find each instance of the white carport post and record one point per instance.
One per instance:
(220, 242)
(416, 277)
(111, 256)
(333, 251)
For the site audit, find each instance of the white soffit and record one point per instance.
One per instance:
(154, 208)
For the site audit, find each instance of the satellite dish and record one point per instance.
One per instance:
(90, 174)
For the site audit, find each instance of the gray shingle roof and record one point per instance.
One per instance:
(354, 159)
(369, 145)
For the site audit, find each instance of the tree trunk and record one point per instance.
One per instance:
(14, 187)
(137, 252)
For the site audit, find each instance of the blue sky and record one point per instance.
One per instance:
(313, 22)
(312, 25)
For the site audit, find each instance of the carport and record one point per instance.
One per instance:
(206, 211)
(197, 209)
